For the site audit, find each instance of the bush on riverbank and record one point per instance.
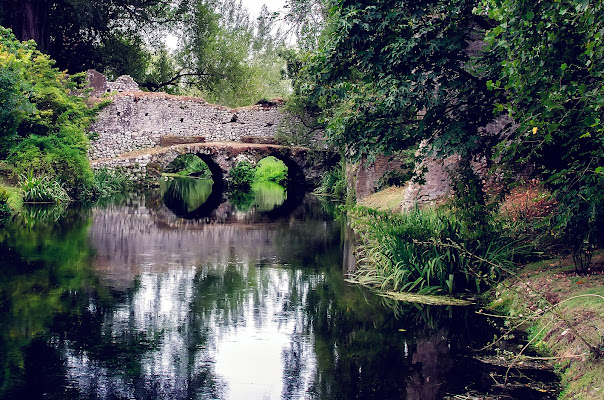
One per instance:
(44, 124)
(427, 251)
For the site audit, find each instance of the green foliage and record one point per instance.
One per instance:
(239, 74)
(46, 132)
(307, 19)
(108, 182)
(242, 198)
(549, 78)
(109, 36)
(189, 165)
(270, 169)
(5, 211)
(427, 251)
(14, 106)
(42, 189)
(333, 183)
(404, 174)
(242, 175)
(389, 74)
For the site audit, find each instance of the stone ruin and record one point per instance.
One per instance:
(100, 85)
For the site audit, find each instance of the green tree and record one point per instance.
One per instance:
(550, 79)
(111, 36)
(46, 124)
(389, 74)
(226, 58)
(307, 20)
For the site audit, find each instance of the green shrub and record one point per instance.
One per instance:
(189, 165)
(333, 183)
(242, 175)
(42, 189)
(270, 169)
(108, 182)
(5, 210)
(45, 121)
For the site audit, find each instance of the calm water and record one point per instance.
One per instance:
(126, 300)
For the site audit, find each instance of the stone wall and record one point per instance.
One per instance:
(364, 178)
(99, 84)
(138, 120)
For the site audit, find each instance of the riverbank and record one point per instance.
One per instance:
(563, 314)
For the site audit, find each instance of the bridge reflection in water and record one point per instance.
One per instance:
(220, 304)
(195, 198)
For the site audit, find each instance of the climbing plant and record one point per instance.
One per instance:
(549, 78)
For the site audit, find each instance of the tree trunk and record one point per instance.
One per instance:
(33, 22)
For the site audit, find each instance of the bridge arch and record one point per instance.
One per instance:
(305, 166)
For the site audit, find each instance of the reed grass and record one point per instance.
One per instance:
(42, 189)
(427, 251)
(108, 182)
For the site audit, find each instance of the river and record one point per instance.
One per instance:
(128, 300)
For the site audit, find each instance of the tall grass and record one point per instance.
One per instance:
(427, 251)
(108, 182)
(42, 189)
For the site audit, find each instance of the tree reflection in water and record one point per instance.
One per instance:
(129, 301)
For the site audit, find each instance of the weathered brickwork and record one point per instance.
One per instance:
(138, 120)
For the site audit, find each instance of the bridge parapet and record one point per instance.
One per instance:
(138, 120)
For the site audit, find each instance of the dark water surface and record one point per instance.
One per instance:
(128, 301)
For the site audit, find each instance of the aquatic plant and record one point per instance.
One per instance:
(108, 182)
(42, 189)
(427, 251)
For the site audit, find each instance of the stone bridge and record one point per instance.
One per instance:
(305, 166)
(140, 133)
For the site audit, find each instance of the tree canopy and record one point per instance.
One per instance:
(549, 79)
(222, 54)
(388, 74)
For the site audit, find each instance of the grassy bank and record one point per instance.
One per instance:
(563, 313)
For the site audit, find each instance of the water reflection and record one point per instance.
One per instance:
(196, 198)
(268, 195)
(183, 195)
(129, 301)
